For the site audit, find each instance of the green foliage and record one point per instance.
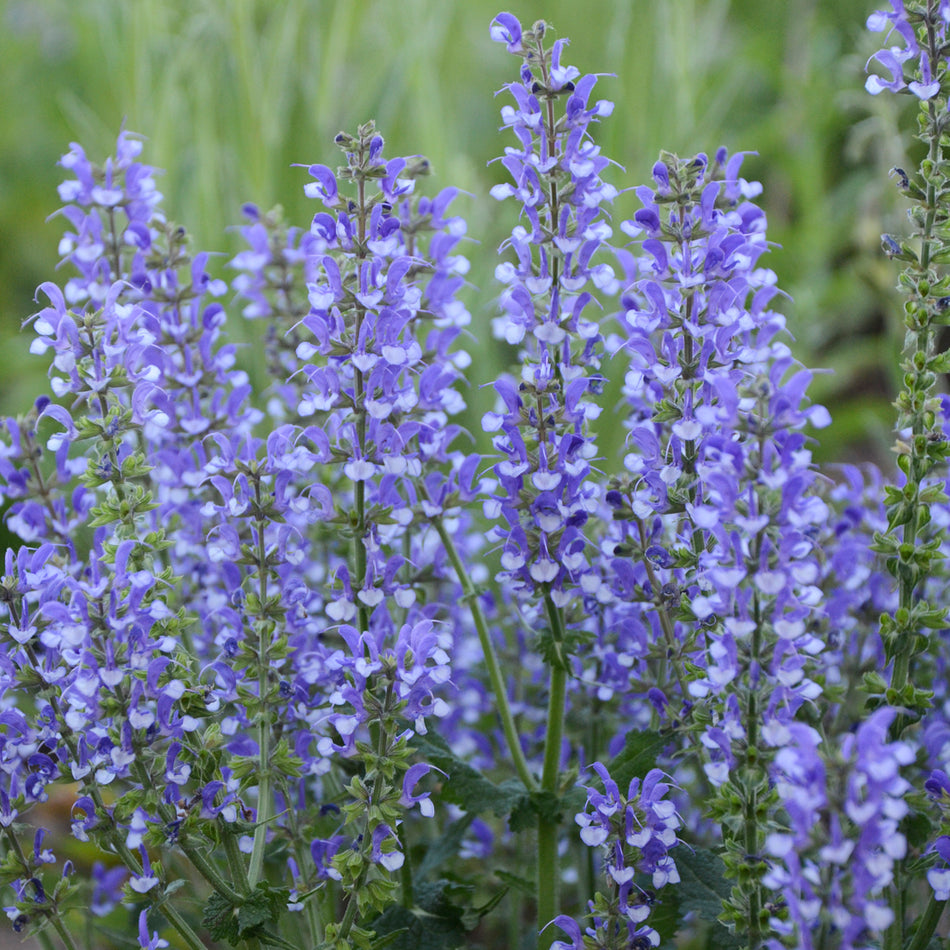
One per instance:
(230, 95)
(445, 848)
(252, 918)
(637, 757)
(466, 786)
(702, 890)
(436, 922)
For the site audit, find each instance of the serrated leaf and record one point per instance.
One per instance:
(665, 914)
(637, 757)
(523, 817)
(263, 906)
(220, 918)
(466, 786)
(701, 890)
(533, 806)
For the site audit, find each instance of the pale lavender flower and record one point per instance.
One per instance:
(635, 833)
(907, 66)
(543, 494)
(844, 805)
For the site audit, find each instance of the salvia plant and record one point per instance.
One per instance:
(302, 669)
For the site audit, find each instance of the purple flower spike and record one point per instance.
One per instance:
(908, 66)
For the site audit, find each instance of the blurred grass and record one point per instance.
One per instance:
(229, 93)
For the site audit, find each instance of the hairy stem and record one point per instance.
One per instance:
(491, 660)
(549, 872)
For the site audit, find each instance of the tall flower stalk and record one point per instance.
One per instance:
(252, 644)
(922, 448)
(917, 65)
(544, 492)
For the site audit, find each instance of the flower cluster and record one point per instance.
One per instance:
(913, 65)
(260, 643)
(544, 494)
(635, 833)
(834, 864)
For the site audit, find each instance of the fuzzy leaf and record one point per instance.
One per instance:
(263, 906)
(665, 914)
(220, 917)
(433, 923)
(466, 786)
(702, 889)
(445, 847)
(637, 757)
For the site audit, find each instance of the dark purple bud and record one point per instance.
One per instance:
(659, 555)
(938, 784)
(657, 699)
(661, 175)
(902, 180)
(890, 246)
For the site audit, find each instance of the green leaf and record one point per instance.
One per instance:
(702, 889)
(445, 847)
(472, 915)
(262, 907)
(466, 786)
(236, 922)
(522, 884)
(703, 885)
(523, 816)
(637, 757)
(220, 917)
(545, 806)
(433, 923)
(665, 914)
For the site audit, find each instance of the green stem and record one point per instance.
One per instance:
(928, 924)
(45, 940)
(304, 859)
(192, 939)
(673, 647)
(234, 857)
(491, 660)
(919, 468)
(384, 747)
(53, 913)
(198, 861)
(256, 864)
(60, 927)
(548, 864)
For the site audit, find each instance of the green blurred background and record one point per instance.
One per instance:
(230, 93)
